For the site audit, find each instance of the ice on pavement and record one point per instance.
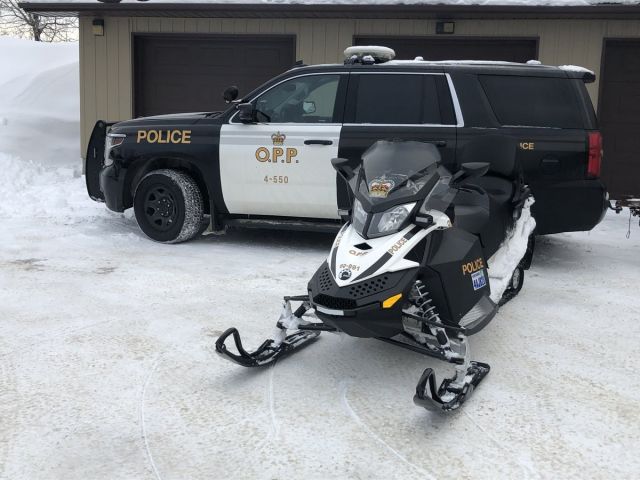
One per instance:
(108, 370)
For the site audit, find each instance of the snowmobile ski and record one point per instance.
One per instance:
(283, 344)
(265, 354)
(451, 394)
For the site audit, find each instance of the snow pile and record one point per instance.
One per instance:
(40, 105)
(506, 259)
(575, 68)
(39, 131)
(30, 189)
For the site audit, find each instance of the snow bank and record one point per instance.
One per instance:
(30, 189)
(40, 104)
(39, 132)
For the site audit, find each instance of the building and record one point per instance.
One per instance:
(142, 58)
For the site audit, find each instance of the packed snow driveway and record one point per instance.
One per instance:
(107, 366)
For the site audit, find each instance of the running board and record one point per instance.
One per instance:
(282, 224)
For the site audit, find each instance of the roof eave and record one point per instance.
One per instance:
(607, 11)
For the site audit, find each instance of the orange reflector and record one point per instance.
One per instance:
(391, 301)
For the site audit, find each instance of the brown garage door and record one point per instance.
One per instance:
(620, 117)
(459, 48)
(186, 73)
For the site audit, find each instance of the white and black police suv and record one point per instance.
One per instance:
(266, 160)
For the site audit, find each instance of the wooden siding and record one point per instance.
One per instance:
(106, 73)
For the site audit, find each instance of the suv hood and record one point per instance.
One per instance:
(171, 119)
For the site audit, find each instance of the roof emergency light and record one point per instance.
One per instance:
(378, 54)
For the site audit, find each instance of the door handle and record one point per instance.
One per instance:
(440, 143)
(318, 142)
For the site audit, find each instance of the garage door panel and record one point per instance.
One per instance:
(182, 73)
(512, 49)
(620, 117)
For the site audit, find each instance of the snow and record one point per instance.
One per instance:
(511, 252)
(108, 370)
(379, 2)
(575, 68)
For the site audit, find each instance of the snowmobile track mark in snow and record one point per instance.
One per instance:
(344, 387)
(143, 429)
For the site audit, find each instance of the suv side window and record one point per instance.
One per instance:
(533, 101)
(403, 99)
(308, 99)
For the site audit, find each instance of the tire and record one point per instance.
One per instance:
(168, 206)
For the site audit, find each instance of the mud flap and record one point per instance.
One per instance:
(95, 160)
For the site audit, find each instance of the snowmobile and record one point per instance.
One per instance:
(424, 260)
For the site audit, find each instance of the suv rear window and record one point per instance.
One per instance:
(533, 101)
(403, 99)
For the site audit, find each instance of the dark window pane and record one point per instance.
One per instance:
(397, 99)
(532, 101)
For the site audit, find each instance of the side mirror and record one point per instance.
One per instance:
(343, 167)
(309, 107)
(230, 94)
(470, 170)
(246, 113)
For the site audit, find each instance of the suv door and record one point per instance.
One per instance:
(281, 166)
(410, 106)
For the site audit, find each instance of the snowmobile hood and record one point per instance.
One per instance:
(353, 258)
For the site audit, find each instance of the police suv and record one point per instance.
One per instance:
(266, 160)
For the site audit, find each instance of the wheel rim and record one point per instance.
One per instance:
(160, 208)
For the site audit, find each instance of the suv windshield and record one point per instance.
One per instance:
(394, 170)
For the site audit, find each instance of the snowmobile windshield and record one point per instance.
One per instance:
(394, 171)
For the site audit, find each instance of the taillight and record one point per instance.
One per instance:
(595, 154)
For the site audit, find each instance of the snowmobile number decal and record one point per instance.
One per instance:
(471, 267)
(349, 266)
(164, 136)
(478, 279)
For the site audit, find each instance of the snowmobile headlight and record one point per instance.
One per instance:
(391, 221)
(359, 217)
(112, 140)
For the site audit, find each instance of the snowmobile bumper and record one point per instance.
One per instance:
(357, 309)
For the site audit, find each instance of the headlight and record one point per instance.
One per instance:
(390, 221)
(359, 217)
(112, 140)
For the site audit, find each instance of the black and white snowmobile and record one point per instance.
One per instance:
(425, 260)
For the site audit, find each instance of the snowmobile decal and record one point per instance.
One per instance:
(380, 187)
(473, 267)
(478, 280)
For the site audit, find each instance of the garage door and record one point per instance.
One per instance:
(186, 73)
(620, 117)
(460, 48)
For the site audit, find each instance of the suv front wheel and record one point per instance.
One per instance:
(168, 206)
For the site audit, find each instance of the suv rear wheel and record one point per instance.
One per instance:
(168, 206)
